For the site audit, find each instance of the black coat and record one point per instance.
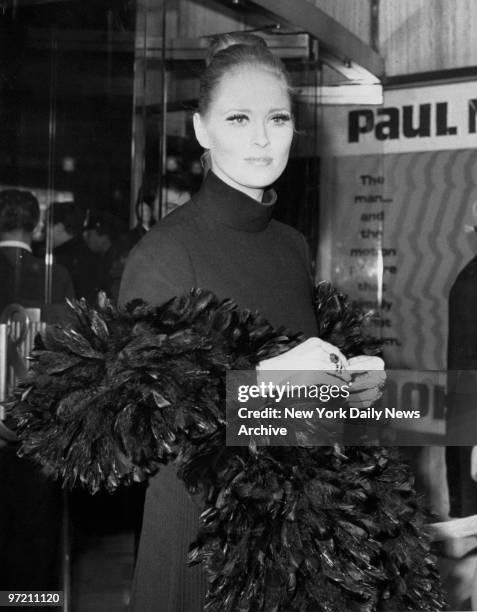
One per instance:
(224, 241)
(462, 390)
(82, 264)
(22, 281)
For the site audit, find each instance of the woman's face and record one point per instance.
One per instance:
(248, 129)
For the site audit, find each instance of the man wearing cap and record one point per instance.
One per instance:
(70, 249)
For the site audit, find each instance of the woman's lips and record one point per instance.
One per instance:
(259, 161)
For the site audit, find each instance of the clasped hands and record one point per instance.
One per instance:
(316, 362)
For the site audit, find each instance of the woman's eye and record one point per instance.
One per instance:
(237, 119)
(281, 118)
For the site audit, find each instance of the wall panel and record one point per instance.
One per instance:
(426, 35)
(190, 18)
(414, 35)
(199, 17)
(355, 15)
(205, 17)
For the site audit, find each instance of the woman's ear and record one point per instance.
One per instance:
(200, 131)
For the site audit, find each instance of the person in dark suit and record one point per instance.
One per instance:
(30, 507)
(71, 251)
(22, 275)
(461, 452)
(105, 238)
(462, 390)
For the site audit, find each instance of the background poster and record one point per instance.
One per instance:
(398, 241)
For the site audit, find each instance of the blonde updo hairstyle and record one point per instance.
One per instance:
(228, 52)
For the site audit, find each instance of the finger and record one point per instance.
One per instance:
(367, 380)
(473, 463)
(333, 353)
(366, 394)
(316, 377)
(333, 378)
(366, 362)
(361, 382)
(377, 375)
(366, 397)
(301, 377)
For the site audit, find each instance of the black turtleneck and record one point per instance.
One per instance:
(226, 241)
(232, 208)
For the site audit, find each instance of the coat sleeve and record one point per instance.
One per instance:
(158, 269)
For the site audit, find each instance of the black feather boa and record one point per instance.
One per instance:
(283, 529)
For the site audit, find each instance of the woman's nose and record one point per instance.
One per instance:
(260, 135)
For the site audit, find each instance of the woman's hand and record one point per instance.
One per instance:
(367, 380)
(316, 362)
(313, 362)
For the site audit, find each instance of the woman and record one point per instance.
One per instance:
(224, 240)
(144, 222)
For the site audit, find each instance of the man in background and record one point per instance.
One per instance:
(22, 276)
(71, 251)
(105, 237)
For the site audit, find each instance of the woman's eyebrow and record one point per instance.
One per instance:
(237, 110)
(282, 109)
